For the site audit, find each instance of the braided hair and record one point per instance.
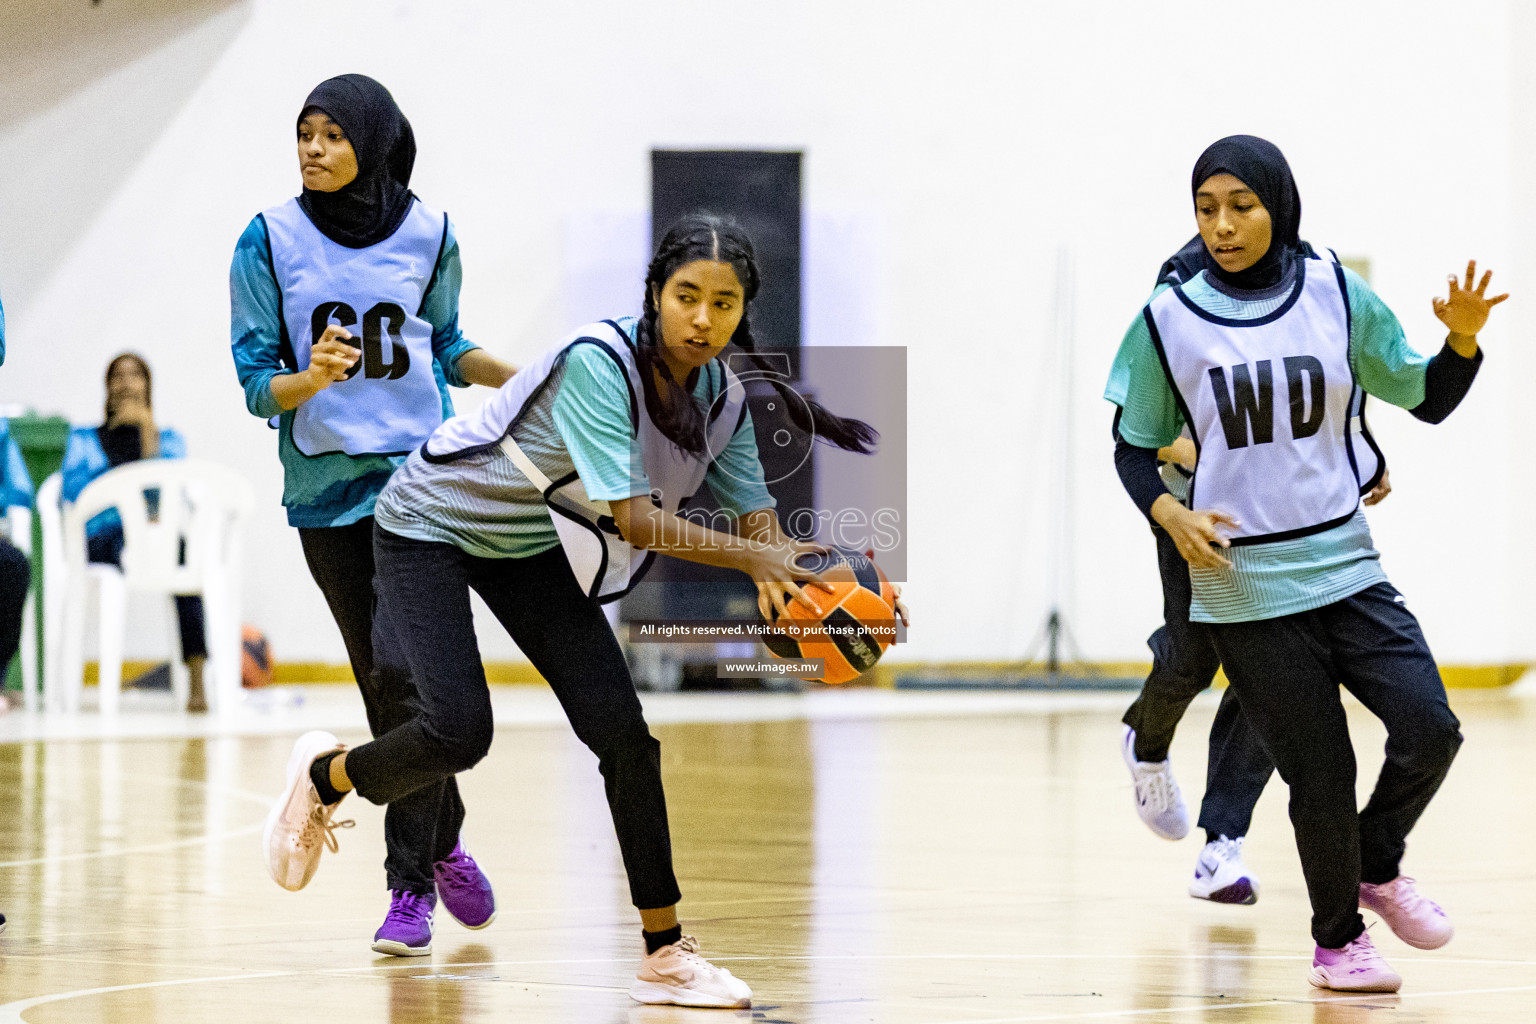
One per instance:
(679, 416)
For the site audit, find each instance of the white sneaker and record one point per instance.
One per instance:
(1220, 875)
(677, 974)
(1158, 799)
(299, 826)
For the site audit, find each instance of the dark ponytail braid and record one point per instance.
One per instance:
(680, 418)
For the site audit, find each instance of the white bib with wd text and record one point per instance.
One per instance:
(1270, 403)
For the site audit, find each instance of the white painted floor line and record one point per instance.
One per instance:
(11, 1013)
(1218, 1005)
(174, 844)
(64, 858)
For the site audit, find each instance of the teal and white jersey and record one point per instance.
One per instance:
(580, 422)
(1175, 477)
(1284, 577)
(333, 489)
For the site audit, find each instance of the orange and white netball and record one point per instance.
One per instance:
(850, 627)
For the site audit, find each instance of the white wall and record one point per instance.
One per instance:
(951, 151)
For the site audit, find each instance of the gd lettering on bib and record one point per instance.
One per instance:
(389, 403)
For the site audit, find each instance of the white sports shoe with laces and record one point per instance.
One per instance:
(677, 974)
(299, 826)
(1221, 876)
(1158, 799)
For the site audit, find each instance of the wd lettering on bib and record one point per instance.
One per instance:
(388, 403)
(1280, 476)
(1246, 406)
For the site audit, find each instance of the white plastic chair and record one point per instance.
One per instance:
(50, 518)
(18, 525)
(201, 505)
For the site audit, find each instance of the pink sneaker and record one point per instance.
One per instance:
(678, 975)
(1355, 968)
(1417, 921)
(299, 827)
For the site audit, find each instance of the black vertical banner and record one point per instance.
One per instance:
(761, 192)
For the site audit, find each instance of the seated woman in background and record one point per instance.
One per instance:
(129, 434)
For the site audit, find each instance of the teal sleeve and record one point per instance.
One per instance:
(2, 334)
(1120, 370)
(84, 461)
(1385, 364)
(1151, 416)
(256, 319)
(736, 475)
(17, 487)
(440, 308)
(591, 412)
(172, 444)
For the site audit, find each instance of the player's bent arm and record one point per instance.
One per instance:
(645, 526)
(1181, 451)
(1389, 368)
(770, 562)
(762, 526)
(329, 360)
(291, 390)
(255, 320)
(477, 366)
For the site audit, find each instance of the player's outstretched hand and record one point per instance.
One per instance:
(1194, 532)
(1466, 310)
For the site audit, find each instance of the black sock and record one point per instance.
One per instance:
(320, 775)
(1210, 837)
(655, 940)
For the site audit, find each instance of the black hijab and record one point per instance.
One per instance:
(368, 209)
(1261, 166)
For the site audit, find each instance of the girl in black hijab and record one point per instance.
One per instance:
(345, 327)
(371, 206)
(1184, 658)
(1261, 166)
(1263, 352)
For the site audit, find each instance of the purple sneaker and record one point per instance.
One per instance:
(407, 930)
(465, 890)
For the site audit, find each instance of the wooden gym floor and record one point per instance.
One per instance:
(885, 857)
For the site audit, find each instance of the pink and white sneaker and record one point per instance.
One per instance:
(678, 975)
(299, 827)
(1355, 968)
(1416, 920)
